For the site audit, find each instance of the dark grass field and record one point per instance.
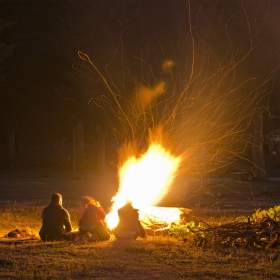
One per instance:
(202, 195)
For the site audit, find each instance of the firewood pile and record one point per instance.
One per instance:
(20, 233)
(261, 234)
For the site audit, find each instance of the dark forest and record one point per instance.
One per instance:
(61, 60)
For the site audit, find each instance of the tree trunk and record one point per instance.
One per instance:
(78, 147)
(74, 163)
(101, 150)
(11, 151)
(257, 146)
(80, 144)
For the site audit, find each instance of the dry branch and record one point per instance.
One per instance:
(262, 234)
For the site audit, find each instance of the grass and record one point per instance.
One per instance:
(157, 257)
(28, 215)
(152, 258)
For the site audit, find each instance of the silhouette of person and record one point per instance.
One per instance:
(129, 222)
(56, 223)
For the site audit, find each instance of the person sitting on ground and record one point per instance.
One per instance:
(56, 223)
(129, 224)
(93, 220)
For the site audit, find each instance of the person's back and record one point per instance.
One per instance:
(55, 220)
(92, 216)
(92, 219)
(128, 218)
(129, 222)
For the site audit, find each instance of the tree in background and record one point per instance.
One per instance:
(6, 50)
(223, 79)
(7, 132)
(128, 41)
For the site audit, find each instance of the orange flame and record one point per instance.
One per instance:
(145, 181)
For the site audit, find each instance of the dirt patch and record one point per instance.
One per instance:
(32, 187)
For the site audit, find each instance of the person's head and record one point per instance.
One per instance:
(87, 200)
(128, 202)
(56, 198)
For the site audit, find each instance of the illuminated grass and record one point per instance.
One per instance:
(25, 215)
(156, 258)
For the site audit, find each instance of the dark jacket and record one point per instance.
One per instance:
(129, 221)
(128, 218)
(55, 221)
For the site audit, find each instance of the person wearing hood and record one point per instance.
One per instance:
(129, 225)
(56, 223)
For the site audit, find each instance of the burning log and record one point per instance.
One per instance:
(162, 231)
(166, 218)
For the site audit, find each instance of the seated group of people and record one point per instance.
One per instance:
(56, 222)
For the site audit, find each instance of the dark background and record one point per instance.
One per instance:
(46, 87)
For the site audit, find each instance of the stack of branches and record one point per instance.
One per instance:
(20, 233)
(261, 234)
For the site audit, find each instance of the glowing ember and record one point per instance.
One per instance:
(145, 181)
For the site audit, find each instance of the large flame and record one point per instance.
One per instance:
(145, 181)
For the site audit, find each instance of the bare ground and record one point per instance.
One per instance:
(212, 194)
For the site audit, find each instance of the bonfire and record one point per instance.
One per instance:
(145, 181)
